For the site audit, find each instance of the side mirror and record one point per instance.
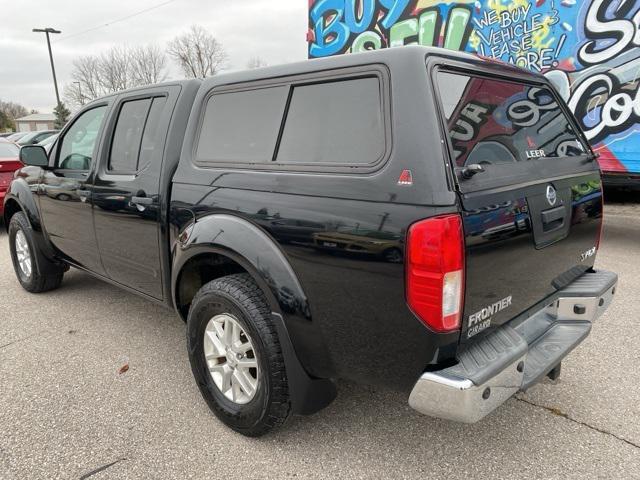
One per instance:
(34, 156)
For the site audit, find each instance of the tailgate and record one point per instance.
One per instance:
(532, 213)
(520, 249)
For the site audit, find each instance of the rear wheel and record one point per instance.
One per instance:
(27, 259)
(236, 356)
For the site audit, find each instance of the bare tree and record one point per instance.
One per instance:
(119, 68)
(256, 62)
(9, 111)
(114, 68)
(148, 65)
(13, 110)
(198, 53)
(86, 72)
(74, 96)
(6, 124)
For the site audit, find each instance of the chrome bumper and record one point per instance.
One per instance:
(515, 356)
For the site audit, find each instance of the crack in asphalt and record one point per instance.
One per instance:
(19, 340)
(100, 469)
(29, 337)
(560, 413)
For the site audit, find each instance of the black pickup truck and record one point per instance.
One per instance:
(415, 218)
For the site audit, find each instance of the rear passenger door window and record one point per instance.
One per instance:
(153, 135)
(334, 123)
(127, 137)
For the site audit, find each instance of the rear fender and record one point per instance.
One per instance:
(256, 252)
(253, 249)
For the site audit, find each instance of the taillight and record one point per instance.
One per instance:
(435, 271)
(5, 178)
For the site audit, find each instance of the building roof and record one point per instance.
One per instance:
(37, 117)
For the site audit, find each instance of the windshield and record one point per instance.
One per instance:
(8, 150)
(494, 121)
(16, 136)
(27, 138)
(49, 139)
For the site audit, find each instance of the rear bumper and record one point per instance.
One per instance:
(515, 356)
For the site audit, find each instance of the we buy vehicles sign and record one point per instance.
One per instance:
(590, 49)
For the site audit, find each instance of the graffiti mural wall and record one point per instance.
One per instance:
(590, 49)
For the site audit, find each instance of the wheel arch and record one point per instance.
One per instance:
(206, 263)
(234, 239)
(20, 198)
(11, 207)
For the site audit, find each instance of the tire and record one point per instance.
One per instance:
(23, 248)
(237, 299)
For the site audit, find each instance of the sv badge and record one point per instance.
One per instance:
(589, 253)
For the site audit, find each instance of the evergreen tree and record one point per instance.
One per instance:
(62, 116)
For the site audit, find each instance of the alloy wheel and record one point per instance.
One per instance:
(23, 253)
(231, 358)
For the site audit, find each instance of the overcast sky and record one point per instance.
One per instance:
(273, 30)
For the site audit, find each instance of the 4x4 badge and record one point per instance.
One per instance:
(552, 196)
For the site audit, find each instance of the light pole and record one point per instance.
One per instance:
(47, 31)
(80, 93)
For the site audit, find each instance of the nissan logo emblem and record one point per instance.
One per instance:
(552, 196)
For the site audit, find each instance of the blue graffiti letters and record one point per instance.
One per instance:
(331, 35)
(341, 26)
(355, 24)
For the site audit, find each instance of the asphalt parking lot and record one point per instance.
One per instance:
(66, 411)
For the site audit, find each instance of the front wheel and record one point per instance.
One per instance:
(28, 261)
(236, 357)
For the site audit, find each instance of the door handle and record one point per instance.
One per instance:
(553, 218)
(142, 200)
